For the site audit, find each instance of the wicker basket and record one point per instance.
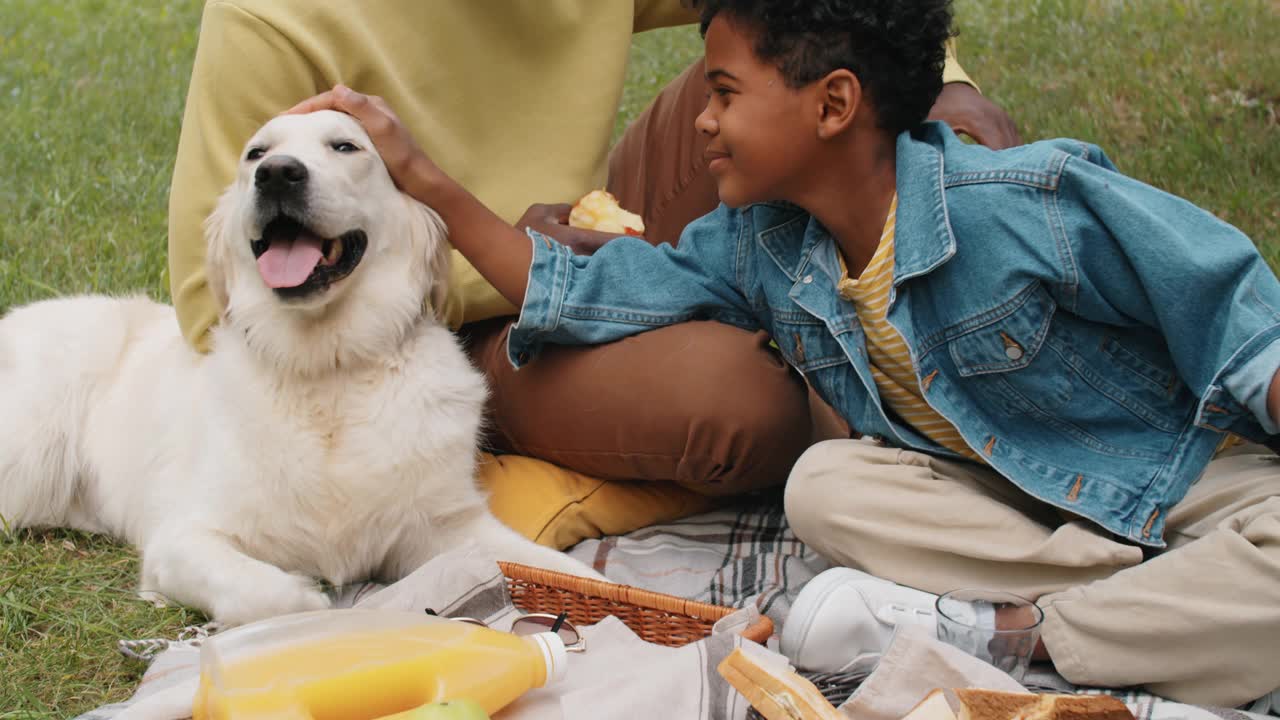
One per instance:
(655, 617)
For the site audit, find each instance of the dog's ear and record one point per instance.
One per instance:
(431, 236)
(217, 252)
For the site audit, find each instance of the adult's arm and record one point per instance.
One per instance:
(963, 106)
(653, 14)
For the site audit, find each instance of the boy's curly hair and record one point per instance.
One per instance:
(895, 47)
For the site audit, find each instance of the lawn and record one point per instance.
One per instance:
(1182, 93)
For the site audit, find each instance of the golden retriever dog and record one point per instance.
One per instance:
(331, 432)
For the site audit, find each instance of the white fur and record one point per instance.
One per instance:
(333, 437)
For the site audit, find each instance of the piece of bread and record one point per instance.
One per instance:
(1078, 707)
(599, 210)
(934, 706)
(978, 704)
(776, 693)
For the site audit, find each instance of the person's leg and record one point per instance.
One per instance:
(929, 524)
(938, 525)
(1201, 622)
(706, 405)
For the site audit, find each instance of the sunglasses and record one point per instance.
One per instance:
(534, 623)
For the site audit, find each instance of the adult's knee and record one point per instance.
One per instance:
(749, 418)
(709, 406)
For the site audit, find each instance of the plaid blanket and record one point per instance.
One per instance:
(739, 555)
(746, 554)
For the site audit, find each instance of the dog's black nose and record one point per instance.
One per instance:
(280, 175)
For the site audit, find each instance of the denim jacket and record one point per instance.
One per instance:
(1090, 336)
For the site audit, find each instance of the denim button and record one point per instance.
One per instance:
(808, 279)
(1013, 352)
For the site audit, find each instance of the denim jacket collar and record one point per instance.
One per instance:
(923, 239)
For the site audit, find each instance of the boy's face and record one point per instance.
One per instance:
(761, 132)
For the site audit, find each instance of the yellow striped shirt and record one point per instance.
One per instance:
(890, 361)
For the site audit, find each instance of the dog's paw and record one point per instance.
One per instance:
(156, 599)
(292, 594)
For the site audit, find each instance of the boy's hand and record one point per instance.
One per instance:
(961, 106)
(405, 160)
(553, 221)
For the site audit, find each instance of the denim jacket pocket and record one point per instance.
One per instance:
(1001, 349)
(1026, 359)
(1005, 338)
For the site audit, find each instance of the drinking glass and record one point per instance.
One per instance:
(967, 620)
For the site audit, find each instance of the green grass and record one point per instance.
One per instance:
(65, 598)
(1181, 93)
(91, 94)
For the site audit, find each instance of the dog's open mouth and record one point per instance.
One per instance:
(296, 262)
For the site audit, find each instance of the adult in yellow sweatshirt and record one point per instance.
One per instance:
(517, 101)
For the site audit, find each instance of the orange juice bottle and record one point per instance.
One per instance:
(366, 664)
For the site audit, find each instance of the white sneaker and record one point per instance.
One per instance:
(1268, 704)
(1274, 703)
(843, 619)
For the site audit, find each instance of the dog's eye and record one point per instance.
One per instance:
(255, 153)
(345, 147)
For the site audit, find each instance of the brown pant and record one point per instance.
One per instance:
(706, 405)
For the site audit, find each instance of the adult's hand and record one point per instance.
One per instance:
(961, 106)
(408, 164)
(553, 220)
(499, 251)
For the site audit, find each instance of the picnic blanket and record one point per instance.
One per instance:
(465, 582)
(746, 555)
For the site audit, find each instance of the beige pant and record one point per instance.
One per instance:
(1199, 622)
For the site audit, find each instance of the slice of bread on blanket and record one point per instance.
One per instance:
(978, 704)
(1077, 707)
(777, 693)
(934, 706)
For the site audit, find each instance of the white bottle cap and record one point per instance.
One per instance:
(553, 654)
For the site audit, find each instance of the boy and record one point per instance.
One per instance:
(1051, 357)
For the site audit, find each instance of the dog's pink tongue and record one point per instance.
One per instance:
(288, 263)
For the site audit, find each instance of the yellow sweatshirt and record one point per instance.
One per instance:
(513, 98)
